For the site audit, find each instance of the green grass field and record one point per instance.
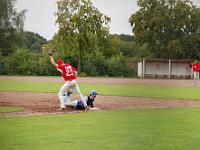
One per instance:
(115, 90)
(131, 129)
(10, 109)
(136, 129)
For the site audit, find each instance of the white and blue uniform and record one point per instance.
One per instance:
(89, 101)
(78, 104)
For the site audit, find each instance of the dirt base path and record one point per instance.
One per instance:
(47, 103)
(43, 103)
(104, 80)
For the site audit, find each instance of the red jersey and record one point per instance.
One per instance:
(195, 67)
(67, 71)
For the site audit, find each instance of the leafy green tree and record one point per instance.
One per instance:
(124, 44)
(94, 66)
(33, 41)
(170, 28)
(117, 66)
(123, 37)
(114, 48)
(11, 27)
(128, 48)
(82, 28)
(22, 63)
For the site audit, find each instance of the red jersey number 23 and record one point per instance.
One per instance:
(69, 71)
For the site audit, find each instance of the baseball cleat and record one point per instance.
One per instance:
(61, 109)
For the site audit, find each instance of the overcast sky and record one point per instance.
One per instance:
(40, 16)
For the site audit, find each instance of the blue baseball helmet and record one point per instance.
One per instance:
(93, 93)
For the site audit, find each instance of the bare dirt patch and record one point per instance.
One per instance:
(103, 80)
(47, 103)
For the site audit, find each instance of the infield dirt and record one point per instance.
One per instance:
(48, 103)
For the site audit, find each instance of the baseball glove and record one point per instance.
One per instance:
(51, 51)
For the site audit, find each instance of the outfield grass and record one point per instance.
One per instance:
(135, 129)
(132, 129)
(10, 109)
(115, 90)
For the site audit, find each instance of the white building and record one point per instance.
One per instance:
(164, 69)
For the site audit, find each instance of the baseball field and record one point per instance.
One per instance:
(133, 114)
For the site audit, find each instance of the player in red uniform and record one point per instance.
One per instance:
(69, 73)
(195, 69)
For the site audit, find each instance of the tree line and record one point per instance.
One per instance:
(168, 29)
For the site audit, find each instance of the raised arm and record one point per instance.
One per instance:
(51, 52)
(53, 61)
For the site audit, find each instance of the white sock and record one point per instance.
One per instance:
(62, 104)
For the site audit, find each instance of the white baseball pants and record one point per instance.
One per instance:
(70, 85)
